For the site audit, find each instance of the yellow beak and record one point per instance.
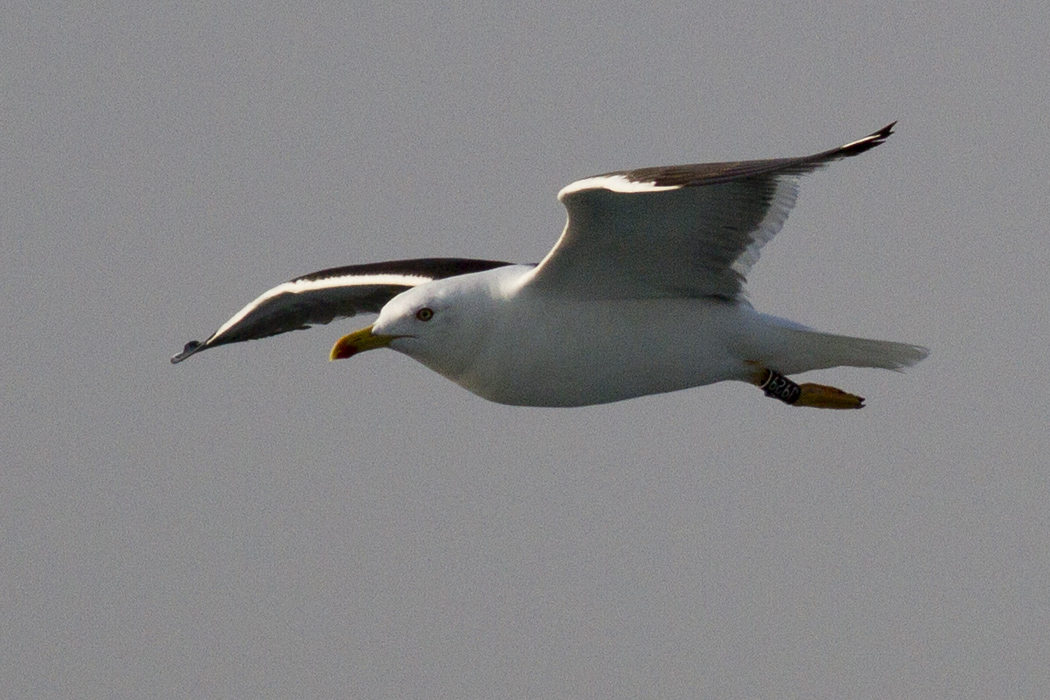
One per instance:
(359, 341)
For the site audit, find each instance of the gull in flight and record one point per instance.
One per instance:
(643, 293)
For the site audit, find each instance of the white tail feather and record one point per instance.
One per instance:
(804, 350)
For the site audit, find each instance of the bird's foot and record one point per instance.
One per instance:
(820, 396)
(777, 386)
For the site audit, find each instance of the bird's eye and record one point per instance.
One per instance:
(425, 314)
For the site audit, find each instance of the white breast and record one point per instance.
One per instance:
(554, 352)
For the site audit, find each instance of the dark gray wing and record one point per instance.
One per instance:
(339, 292)
(684, 230)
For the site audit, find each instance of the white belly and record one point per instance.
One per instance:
(562, 354)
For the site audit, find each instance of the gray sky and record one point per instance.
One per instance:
(261, 523)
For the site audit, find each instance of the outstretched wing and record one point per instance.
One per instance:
(322, 296)
(684, 230)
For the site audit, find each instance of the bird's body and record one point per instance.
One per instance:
(512, 344)
(643, 294)
(621, 348)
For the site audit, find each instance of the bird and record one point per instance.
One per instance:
(643, 293)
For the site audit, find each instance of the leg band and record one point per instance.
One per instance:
(780, 387)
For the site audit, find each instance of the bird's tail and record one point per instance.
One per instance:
(802, 350)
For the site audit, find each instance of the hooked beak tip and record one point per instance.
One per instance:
(358, 341)
(342, 350)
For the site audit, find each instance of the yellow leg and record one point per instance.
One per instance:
(820, 396)
(777, 386)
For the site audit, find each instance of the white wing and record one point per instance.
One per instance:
(677, 231)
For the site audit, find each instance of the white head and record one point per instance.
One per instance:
(441, 324)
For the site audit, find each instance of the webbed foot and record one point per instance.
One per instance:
(777, 386)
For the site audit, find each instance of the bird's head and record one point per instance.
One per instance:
(436, 323)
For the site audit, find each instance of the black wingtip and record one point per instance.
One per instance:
(883, 133)
(191, 347)
(868, 142)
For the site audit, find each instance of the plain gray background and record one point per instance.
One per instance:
(261, 523)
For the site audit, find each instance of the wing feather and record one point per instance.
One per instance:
(684, 230)
(321, 297)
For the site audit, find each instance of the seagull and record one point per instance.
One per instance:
(643, 293)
